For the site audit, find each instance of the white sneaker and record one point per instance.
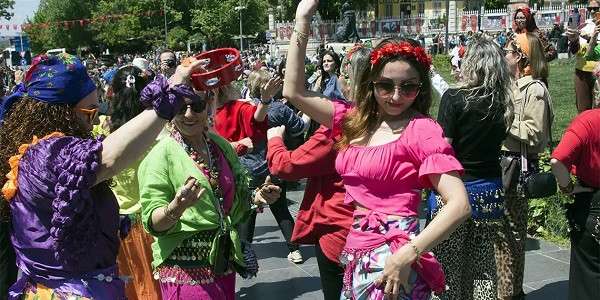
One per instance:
(295, 257)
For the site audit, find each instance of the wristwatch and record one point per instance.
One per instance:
(266, 102)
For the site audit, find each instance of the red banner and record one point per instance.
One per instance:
(83, 22)
(474, 23)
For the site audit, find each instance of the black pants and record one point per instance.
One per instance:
(584, 273)
(280, 212)
(332, 275)
(8, 267)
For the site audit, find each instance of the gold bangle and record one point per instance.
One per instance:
(301, 37)
(301, 34)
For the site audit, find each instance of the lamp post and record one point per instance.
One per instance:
(240, 8)
(165, 14)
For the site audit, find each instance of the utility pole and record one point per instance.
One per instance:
(165, 14)
(447, 23)
(240, 8)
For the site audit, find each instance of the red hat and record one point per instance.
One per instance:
(223, 66)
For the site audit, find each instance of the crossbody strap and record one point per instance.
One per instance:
(524, 152)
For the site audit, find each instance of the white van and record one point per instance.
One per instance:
(56, 51)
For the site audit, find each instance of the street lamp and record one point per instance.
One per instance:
(165, 15)
(279, 12)
(240, 8)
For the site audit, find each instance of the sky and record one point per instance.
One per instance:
(22, 10)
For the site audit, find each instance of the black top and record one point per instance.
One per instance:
(477, 133)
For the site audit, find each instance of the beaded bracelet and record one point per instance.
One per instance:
(417, 251)
(300, 36)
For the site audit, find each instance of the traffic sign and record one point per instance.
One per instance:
(21, 43)
(23, 62)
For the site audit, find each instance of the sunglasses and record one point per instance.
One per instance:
(386, 89)
(169, 63)
(196, 107)
(593, 9)
(92, 114)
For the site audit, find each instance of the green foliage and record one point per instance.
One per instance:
(495, 4)
(214, 21)
(310, 69)
(121, 33)
(5, 6)
(58, 36)
(219, 21)
(177, 38)
(328, 11)
(546, 216)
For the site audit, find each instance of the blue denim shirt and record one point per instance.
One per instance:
(277, 115)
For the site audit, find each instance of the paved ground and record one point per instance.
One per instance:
(546, 267)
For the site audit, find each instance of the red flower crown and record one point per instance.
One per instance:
(404, 49)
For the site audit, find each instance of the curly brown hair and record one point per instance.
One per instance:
(29, 117)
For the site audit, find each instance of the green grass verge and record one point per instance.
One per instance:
(546, 216)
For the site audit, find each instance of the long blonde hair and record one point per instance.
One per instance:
(364, 119)
(486, 78)
(256, 80)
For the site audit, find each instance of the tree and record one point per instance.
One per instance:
(219, 20)
(132, 28)
(329, 10)
(495, 4)
(47, 32)
(5, 6)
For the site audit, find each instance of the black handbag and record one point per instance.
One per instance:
(222, 242)
(537, 184)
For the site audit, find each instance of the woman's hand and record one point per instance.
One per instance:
(396, 272)
(187, 196)
(277, 131)
(306, 10)
(268, 193)
(268, 91)
(248, 143)
(185, 69)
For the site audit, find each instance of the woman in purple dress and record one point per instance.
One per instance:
(65, 218)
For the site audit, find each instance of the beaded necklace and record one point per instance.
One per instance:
(210, 167)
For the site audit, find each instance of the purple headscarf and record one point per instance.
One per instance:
(60, 79)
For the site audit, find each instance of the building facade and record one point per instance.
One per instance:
(397, 9)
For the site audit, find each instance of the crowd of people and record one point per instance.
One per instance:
(142, 178)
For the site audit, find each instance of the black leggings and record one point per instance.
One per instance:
(332, 275)
(8, 267)
(280, 212)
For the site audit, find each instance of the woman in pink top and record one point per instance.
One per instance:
(390, 150)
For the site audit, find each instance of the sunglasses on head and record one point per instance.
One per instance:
(387, 88)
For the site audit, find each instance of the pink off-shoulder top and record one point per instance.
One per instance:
(389, 178)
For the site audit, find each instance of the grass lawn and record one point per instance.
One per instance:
(561, 84)
(546, 216)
